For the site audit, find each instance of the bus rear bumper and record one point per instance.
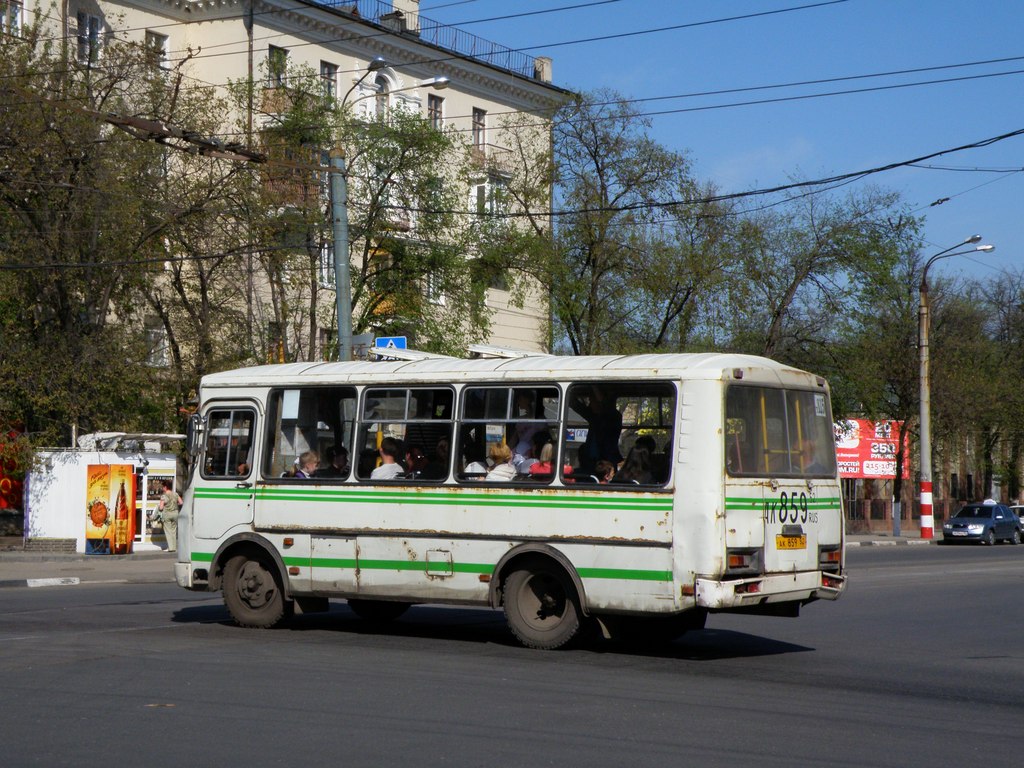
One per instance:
(798, 587)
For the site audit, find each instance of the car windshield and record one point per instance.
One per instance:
(976, 512)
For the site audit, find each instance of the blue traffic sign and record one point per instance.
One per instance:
(390, 342)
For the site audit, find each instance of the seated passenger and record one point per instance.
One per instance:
(545, 465)
(415, 461)
(337, 462)
(308, 462)
(604, 471)
(636, 468)
(389, 468)
(503, 469)
(437, 468)
(476, 462)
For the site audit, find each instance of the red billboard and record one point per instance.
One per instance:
(867, 449)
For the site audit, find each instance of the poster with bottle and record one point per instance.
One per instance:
(110, 508)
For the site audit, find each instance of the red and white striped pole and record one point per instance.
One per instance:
(927, 518)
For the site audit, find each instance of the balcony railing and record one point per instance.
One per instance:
(434, 33)
(491, 157)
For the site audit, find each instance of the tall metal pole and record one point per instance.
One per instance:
(342, 280)
(927, 516)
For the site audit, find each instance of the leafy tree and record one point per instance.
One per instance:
(86, 221)
(612, 183)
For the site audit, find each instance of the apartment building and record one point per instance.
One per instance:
(375, 55)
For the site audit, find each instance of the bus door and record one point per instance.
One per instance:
(223, 484)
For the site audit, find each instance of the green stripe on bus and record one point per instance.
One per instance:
(434, 498)
(623, 574)
(734, 502)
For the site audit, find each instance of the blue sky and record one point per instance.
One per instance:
(763, 145)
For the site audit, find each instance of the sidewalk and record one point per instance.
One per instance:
(19, 568)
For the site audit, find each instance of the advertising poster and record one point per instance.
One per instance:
(110, 508)
(867, 449)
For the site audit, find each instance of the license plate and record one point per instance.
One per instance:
(791, 542)
(959, 533)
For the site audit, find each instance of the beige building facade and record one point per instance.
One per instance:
(366, 51)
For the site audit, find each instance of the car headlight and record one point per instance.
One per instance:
(976, 528)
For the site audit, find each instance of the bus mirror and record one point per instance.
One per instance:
(194, 435)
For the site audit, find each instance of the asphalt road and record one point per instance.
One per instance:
(920, 664)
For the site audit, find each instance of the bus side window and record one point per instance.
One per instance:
(419, 419)
(313, 420)
(229, 442)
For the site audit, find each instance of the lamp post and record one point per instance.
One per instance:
(927, 518)
(339, 216)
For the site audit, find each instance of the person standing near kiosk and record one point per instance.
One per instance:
(170, 504)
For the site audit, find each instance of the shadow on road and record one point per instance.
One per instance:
(470, 625)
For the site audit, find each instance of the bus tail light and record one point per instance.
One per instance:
(830, 559)
(742, 561)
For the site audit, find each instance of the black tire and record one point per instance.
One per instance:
(378, 610)
(1015, 539)
(991, 538)
(253, 592)
(541, 606)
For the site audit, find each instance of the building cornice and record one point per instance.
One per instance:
(364, 39)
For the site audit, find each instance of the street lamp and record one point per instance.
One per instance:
(339, 214)
(927, 519)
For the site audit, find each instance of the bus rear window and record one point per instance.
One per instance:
(775, 432)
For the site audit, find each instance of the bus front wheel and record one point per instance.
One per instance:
(541, 606)
(253, 593)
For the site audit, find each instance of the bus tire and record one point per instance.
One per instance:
(541, 606)
(253, 592)
(378, 610)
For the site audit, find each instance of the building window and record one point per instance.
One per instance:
(435, 110)
(329, 77)
(479, 129)
(434, 290)
(325, 267)
(88, 38)
(383, 94)
(157, 351)
(156, 49)
(10, 16)
(277, 66)
(487, 196)
(328, 344)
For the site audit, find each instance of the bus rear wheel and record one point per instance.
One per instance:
(541, 606)
(378, 610)
(253, 593)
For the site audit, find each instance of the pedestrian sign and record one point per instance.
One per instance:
(390, 342)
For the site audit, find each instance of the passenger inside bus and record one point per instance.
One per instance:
(636, 468)
(308, 463)
(389, 469)
(502, 469)
(596, 404)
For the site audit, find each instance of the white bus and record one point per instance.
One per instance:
(668, 487)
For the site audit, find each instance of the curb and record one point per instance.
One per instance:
(901, 543)
(63, 581)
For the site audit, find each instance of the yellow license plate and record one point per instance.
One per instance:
(791, 542)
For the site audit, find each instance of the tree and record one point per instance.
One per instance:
(612, 184)
(86, 221)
